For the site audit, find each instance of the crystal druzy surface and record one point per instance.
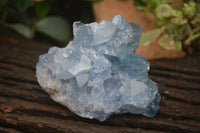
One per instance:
(98, 73)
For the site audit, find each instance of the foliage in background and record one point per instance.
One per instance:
(178, 25)
(29, 16)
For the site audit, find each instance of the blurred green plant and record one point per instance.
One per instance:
(29, 16)
(178, 25)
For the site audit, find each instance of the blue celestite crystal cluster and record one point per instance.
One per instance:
(98, 73)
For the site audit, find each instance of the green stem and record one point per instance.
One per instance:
(192, 36)
(195, 30)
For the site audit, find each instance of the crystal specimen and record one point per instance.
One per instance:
(98, 73)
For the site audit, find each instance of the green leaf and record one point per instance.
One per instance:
(140, 2)
(55, 27)
(178, 45)
(178, 21)
(164, 11)
(155, 3)
(149, 36)
(189, 9)
(42, 8)
(169, 43)
(141, 5)
(22, 29)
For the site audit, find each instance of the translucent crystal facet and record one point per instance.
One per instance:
(98, 73)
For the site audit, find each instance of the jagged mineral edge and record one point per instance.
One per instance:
(98, 73)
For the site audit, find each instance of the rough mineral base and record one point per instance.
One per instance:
(98, 74)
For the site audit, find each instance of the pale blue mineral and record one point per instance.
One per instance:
(98, 73)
